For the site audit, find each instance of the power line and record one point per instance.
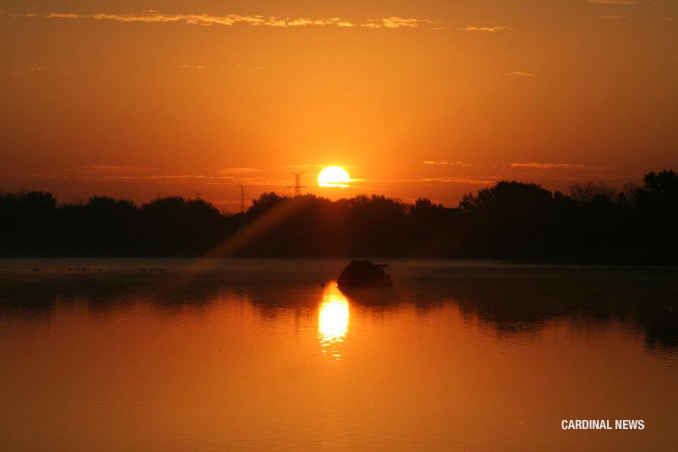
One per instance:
(297, 184)
(242, 197)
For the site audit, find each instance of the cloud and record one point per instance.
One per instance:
(486, 29)
(610, 2)
(239, 170)
(153, 17)
(521, 74)
(445, 163)
(109, 169)
(174, 177)
(104, 173)
(395, 22)
(668, 19)
(36, 68)
(206, 20)
(318, 165)
(110, 174)
(452, 180)
(546, 165)
(616, 17)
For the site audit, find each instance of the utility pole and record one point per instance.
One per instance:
(297, 184)
(242, 197)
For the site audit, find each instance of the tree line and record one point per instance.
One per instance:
(592, 223)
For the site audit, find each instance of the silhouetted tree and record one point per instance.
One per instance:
(508, 220)
(27, 220)
(264, 202)
(592, 193)
(658, 215)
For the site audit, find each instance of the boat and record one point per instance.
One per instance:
(364, 274)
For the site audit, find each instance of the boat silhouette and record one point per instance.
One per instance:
(364, 274)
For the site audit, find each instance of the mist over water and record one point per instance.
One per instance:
(258, 355)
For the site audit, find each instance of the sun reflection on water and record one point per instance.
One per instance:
(332, 321)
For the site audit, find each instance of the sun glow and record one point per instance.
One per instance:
(333, 176)
(332, 321)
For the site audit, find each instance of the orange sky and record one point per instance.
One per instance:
(428, 98)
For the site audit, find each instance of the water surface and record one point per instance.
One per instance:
(175, 355)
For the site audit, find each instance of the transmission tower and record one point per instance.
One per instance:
(297, 184)
(242, 197)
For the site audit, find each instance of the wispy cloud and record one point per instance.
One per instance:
(36, 68)
(299, 166)
(238, 170)
(486, 29)
(521, 74)
(668, 19)
(233, 19)
(611, 2)
(451, 180)
(535, 165)
(109, 169)
(613, 17)
(105, 176)
(317, 165)
(445, 163)
(395, 22)
(23, 14)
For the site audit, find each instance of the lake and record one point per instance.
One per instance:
(214, 355)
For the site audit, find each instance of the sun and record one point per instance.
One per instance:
(333, 176)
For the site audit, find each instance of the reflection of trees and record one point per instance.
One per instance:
(512, 299)
(522, 300)
(103, 292)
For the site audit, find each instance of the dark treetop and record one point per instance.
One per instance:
(511, 220)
